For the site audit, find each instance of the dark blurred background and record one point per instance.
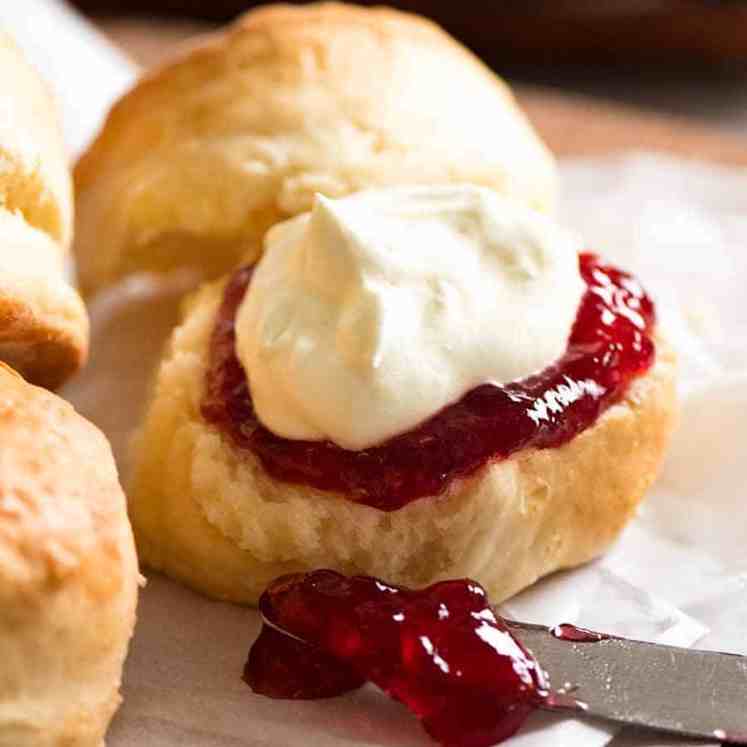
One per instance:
(677, 56)
(693, 32)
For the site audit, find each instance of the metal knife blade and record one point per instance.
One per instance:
(691, 693)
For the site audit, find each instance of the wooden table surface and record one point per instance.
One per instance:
(570, 125)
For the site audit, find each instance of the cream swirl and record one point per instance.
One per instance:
(371, 313)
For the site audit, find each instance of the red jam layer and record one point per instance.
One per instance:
(440, 651)
(610, 344)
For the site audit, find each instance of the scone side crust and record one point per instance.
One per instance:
(43, 322)
(513, 522)
(46, 345)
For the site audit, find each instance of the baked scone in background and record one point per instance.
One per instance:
(210, 150)
(43, 323)
(208, 514)
(68, 573)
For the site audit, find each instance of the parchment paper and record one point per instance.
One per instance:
(678, 575)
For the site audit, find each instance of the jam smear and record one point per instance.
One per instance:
(568, 632)
(560, 701)
(282, 667)
(728, 737)
(610, 344)
(441, 651)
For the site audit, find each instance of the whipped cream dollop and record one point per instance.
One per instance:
(370, 314)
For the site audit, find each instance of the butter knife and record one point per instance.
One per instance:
(699, 694)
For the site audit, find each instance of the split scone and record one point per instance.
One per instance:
(412, 383)
(43, 323)
(211, 149)
(68, 573)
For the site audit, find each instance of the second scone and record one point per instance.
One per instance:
(240, 132)
(286, 434)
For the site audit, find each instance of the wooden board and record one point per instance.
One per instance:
(571, 125)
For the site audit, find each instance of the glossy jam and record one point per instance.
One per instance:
(567, 632)
(440, 651)
(282, 667)
(609, 345)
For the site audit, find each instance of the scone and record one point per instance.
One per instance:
(43, 323)
(356, 402)
(68, 573)
(211, 149)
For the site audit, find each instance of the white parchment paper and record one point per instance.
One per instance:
(679, 573)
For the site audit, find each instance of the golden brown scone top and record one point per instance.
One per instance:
(43, 323)
(239, 132)
(68, 572)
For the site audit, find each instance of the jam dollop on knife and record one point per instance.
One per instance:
(441, 651)
(610, 344)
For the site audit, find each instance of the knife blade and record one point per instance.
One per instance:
(699, 694)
